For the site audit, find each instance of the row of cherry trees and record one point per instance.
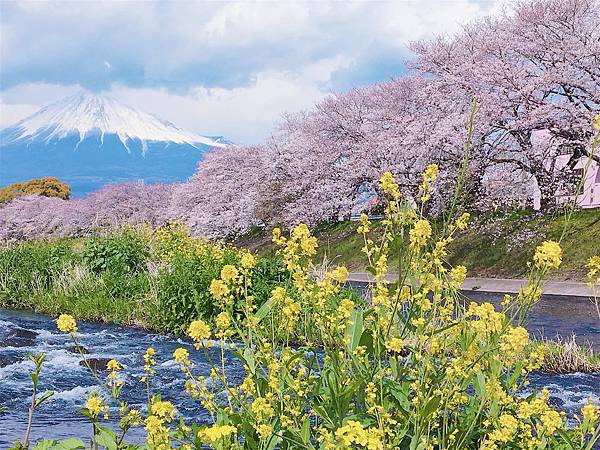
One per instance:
(35, 217)
(534, 73)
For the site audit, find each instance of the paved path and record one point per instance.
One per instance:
(501, 285)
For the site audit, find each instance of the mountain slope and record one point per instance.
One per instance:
(90, 140)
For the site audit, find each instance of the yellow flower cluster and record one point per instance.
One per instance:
(593, 266)
(513, 342)
(429, 176)
(262, 409)
(216, 432)
(462, 222)
(248, 261)
(388, 184)
(394, 345)
(199, 331)
(66, 323)
(507, 427)
(420, 233)
(489, 321)
(114, 379)
(95, 405)
(161, 413)
(223, 323)
(218, 289)
(229, 273)
(548, 255)
(181, 356)
(353, 432)
(590, 413)
(149, 363)
(458, 275)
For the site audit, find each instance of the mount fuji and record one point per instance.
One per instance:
(90, 140)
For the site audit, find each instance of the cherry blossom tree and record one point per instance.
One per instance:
(535, 69)
(38, 217)
(220, 200)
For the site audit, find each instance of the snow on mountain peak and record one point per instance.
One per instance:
(86, 114)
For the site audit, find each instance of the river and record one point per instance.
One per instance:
(59, 416)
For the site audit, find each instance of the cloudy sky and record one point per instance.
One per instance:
(216, 68)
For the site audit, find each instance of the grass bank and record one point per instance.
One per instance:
(156, 280)
(497, 245)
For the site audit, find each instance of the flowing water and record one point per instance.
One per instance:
(59, 417)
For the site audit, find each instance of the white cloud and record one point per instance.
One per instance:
(216, 68)
(244, 114)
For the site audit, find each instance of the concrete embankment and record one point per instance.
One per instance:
(504, 286)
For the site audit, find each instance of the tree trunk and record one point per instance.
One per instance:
(547, 186)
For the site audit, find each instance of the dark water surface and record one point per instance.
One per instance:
(59, 417)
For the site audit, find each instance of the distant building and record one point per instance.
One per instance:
(590, 194)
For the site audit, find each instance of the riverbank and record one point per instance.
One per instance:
(496, 245)
(504, 285)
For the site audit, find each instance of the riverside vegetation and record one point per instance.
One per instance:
(415, 368)
(154, 279)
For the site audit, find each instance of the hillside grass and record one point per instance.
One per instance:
(496, 245)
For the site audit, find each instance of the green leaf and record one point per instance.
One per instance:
(565, 436)
(431, 406)
(44, 444)
(106, 438)
(354, 331)
(366, 340)
(264, 310)
(249, 358)
(42, 398)
(305, 431)
(479, 384)
(69, 444)
(401, 397)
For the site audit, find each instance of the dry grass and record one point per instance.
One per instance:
(567, 356)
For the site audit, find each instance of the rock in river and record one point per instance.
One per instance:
(97, 364)
(19, 337)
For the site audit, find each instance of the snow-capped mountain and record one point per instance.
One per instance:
(89, 140)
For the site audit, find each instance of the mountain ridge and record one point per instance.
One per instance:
(88, 114)
(90, 140)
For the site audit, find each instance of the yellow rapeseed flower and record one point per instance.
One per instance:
(590, 413)
(216, 432)
(388, 184)
(199, 331)
(420, 232)
(548, 255)
(229, 273)
(113, 365)
(262, 409)
(66, 323)
(394, 345)
(95, 405)
(223, 321)
(551, 421)
(181, 355)
(218, 289)
(264, 430)
(248, 261)
(462, 221)
(431, 173)
(163, 410)
(507, 428)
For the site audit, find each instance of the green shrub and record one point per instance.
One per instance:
(124, 253)
(47, 187)
(30, 267)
